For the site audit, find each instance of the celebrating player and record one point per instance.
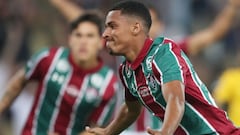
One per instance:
(74, 89)
(157, 74)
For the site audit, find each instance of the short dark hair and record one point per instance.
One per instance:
(88, 17)
(136, 9)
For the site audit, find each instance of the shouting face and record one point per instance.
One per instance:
(117, 32)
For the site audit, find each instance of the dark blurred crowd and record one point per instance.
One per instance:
(28, 25)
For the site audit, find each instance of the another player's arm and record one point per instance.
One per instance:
(215, 31)
(127, 115)
(173, 93)
(13, 89)
(70, 10)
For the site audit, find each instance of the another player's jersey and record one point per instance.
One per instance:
(227, 92)
(68, 97)
(163, 61)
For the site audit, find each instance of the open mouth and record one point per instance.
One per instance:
(109, 42)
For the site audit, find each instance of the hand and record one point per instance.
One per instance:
(153, 132)
(96, 130)
(235, 3)
(51, 133)
(85, 133)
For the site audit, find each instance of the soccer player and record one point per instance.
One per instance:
(74, 87)
(159, 76)
(227, 92)
(192, 45)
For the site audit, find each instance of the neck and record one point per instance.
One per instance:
(88, 64)
(135, 48)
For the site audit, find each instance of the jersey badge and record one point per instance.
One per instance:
(143, 91)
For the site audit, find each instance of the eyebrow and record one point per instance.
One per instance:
(109, 23)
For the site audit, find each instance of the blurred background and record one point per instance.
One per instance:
(29, 25)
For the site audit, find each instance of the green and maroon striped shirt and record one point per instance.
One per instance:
(68, 97)
(161, 61)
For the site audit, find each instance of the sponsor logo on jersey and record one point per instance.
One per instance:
(72, 90)
(144, 91)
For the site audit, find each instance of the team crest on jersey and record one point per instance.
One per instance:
(91, 94)
(62, 66)
(144, 91)
(72, 90)
(151, 81)
(96, 80)
(149, 62)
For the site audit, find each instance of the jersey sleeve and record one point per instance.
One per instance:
(169, 63)
(128, 95)
(35, 67)
(223, 91)
(104, 112)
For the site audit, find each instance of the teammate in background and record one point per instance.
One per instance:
(160, 76)
(227, 92)
(75, 89)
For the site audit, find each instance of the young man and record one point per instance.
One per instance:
(192, 45)
(158, 75)
(75, 89)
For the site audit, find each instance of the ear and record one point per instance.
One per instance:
(136, 28)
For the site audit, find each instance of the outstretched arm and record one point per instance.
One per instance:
(14, 87)
(127, 115)
(70, 10)
(215, 31)
(173, 93)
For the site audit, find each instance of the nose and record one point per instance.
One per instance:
(106, 33)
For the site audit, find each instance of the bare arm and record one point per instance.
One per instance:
(14, 87)
(215, 31)
(70, 10)
(127, 115)
(173, 93)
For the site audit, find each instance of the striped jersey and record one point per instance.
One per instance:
(146, 119)
(68, 97)
(161, 61)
